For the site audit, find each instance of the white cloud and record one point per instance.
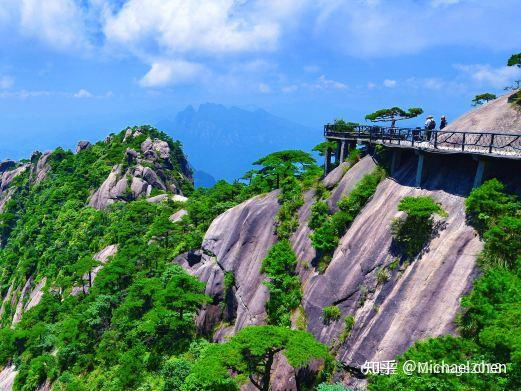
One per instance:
(438, 3)
(264, 88)
(371, 86)
(82, 93)
(289, 89)
(163, 73)
(324, 82)
(389, 83)
(184, 26)
(59, 23)
(312, 68)
(6, 82)
(436, 84)
(392, 28)
(175, 32)
(24, 94)
(495, 77)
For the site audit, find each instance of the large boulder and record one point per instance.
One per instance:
(7, 165)
(6, 178)
(40, 166)
(82, 145)
(111, 190)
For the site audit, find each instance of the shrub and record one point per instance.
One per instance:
(332, 387)
(412, 233)
(321, 191)
(503, 243)
(283, 285)
(354, 156)
(326, 236)
(487, 203)
(319, 214)
(331, 313)
(229, 280)
(290, 200)
(349, 322)
(382, 276)
(175, 372)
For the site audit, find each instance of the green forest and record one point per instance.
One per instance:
(133, 326)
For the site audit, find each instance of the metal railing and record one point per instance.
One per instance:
(503, 144)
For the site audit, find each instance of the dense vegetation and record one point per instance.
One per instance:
(140, 310)
(249, 355)
(283, 284)
(489, 324)
(412, 232)
(329, 228)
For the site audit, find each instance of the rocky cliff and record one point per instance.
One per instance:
(416, 301)
(151, 167)
(499, 115)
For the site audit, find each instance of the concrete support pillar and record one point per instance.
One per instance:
(419, 169)
(395, 162)
(337, 154)
(342, 151)
(480, 171)
(327, 164)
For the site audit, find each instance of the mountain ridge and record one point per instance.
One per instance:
(224, 140)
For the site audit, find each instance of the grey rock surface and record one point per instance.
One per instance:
(495, 116)
(40, 166)
(144, 170)
(6, 178)
(177, 216)
(7, 165)
(7, 375)
(103, 256)
(237, 241)
(82, 145)
(419, 300)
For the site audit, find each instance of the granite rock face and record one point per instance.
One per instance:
(7, 376)
(417, 301)
(6, 177)
(7, 165)
(82, 145)
(146, 169)
(40, 166)
(103, 256)
(236, 242)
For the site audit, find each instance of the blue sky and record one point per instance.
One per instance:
(79, 69)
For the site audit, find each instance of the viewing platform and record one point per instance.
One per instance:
(478, 145)
(501, 145)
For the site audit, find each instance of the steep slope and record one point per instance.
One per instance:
(417, 301)
(236, 242)
(496, 116)
(85, 263)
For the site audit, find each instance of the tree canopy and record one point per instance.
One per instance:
(514, 60)
(279, 165)
(393, 114)
(250, 355)
(343, 126)
(483, 98)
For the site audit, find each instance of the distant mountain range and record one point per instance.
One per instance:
(223, 141)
